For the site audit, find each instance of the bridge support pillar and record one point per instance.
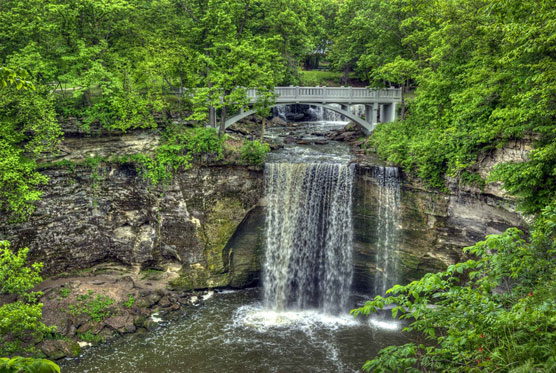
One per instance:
(390, 112)
(371, 113)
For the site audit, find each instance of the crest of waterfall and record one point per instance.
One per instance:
(309, 236)
(387, 258)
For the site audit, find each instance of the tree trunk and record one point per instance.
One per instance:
(212, 117)
(346, 75)
(223, 121)
(404, 87)
(263, 125)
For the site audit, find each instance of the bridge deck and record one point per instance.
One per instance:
(339, 95)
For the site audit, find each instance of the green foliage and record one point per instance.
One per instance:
(90, 337)
(311, 78)
(13, 78)
(15, 276)
(96, 306)
(179, 149)
(533, 181)
(19, 320)
(64, 292)
(202, 140)
(20, 364)
(484, 73)
(120, 63)
(254, 152)
(27, 128)
(495, 312)
(130, 301)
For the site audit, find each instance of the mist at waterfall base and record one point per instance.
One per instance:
(299, 320)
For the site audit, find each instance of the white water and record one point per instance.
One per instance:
(309, 236)
(387, 258)
(321, 114)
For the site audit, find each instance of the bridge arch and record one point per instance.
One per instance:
(365, 126)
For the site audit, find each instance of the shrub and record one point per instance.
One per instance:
(96, 306)
(179, 149)
(254, 152)
(20, 364)
(204, 140)
(19, 320)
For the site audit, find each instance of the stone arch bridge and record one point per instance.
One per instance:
(380, 104)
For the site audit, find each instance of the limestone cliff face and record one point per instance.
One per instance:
(433, 227)
(86, 217)
(209, 221)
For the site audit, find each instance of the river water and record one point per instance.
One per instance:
(233, 332)
(294, 323)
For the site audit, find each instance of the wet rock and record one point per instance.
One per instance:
(433, 228)
(277, 121)
(57, 349)
(148, 300)
(150, 324)
(123, 324)
(84, 328)
(164, 302)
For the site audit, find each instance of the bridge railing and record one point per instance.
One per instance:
(331, 94)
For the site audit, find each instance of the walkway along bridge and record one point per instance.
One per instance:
(380, 104)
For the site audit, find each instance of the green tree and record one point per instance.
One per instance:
(20, 320)
(28, 128)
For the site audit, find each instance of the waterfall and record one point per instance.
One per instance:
(309, 236)
(280, 111)
(315, 113)
(387, 258)
(320, 114)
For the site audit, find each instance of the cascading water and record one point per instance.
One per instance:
(309, 236)
(317, 113)
(387, 258)
(320, 114)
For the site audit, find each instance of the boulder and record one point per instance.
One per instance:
(123, 324)
(277, 121)
(60, 348)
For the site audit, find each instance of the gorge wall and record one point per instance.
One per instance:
(210, 220)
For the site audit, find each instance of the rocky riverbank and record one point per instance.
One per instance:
(106, 301)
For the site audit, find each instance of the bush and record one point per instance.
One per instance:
(19, 320)
(179, 149)
(96, 306)
(254, 152)
(204, 140)
(20, 364)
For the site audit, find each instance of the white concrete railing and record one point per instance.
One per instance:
(333, 94)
